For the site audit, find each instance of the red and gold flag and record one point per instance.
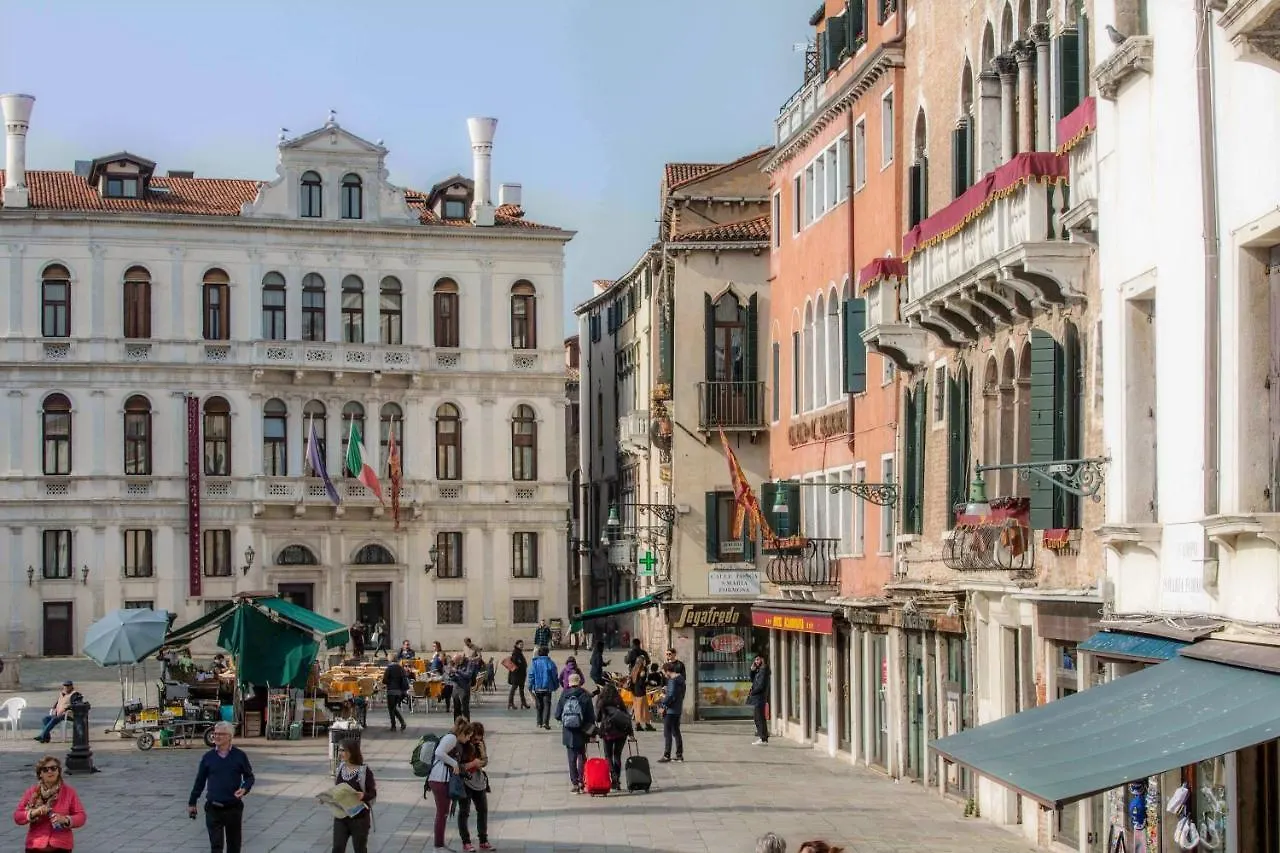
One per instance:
(393, 468)
(746, 508)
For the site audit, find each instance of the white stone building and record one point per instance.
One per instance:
(327, 296)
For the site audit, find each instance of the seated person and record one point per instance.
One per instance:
(655, 678)
(406, 652)
(68, 697)
(219, 664)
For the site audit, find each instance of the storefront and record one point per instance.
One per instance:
(719, 643)
(803, 671)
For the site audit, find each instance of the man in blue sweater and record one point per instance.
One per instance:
(226, 772)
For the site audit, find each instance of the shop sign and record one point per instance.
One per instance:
(805, 623)
(711, 616)
(728, 644)
(861, 616)
(733, 583)
(818, 427)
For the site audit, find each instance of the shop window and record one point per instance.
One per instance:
(793, 642)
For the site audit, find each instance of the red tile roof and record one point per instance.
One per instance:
(698, 171)
(681, 173)
(747, 230)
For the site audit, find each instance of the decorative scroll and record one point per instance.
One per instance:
(1004, 544)
(1080, 477)
(194, 576)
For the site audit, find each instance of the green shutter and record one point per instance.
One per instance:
(1046, 438)
(1082, 78)
(857, 18)
(912, 477)
(955, 450)
(794, 509)
(709, 335)
(1068, 53)
(915, 212)
(969, 159)
(855, 349)
(961, 163)
(768, 491)
(922, 430)
(1071, 426)
(777, 380)
(823, 56)
(837, 39)
(713, 528)
(752, 340)
(907, 490)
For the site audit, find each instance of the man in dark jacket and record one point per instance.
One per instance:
(543, 681)
(758, 697)
(397, 682)
(577, 718)
(672, 707)
(462, 678)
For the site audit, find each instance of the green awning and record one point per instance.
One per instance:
(618, 609)
(333, 633)
(267, 652)
(1120, 644)
(206, 623)
(1161, 718)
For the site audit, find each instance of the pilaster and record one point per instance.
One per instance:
(16, 443)
(1007, 68)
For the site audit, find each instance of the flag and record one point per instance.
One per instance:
(746, 508)
(358, 467)
(316, 460)
(393, 468)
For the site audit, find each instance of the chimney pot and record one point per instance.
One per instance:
(481, 131)
(17, 118)
(509, 194)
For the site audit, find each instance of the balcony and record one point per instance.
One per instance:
(805, 563)
(322, 355)
(1076, 141)
(1254, 29)
(730, 405)
(301, 492)
(881, 282)
(996, 256)
(633, 432)
(800, 107)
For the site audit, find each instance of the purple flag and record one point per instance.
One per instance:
(316, 460)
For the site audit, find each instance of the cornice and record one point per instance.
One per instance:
(1132, 55)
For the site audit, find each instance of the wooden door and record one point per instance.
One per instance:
(58, 628)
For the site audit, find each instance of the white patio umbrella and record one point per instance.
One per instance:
(124, 637)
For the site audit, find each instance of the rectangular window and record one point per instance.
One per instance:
(217, 312)
(726, 548)
(56, 559)
(886, 512)
(139, 605)
(860, 514)
(313, 313)
(449, 556)
(449, 611)
(352, 316)
(797, 205)
(275, 451)
(524, 611)
(777, 220)
(217, 553)
(217, 442)
(137, 309)
(842, 168)
(776, 353)
(138, 561)
(523, 308)
(524, 555)
(122, 187)
(273, 308)
(56, 312)
(859, 155)
(886, 129)
(390, 314)
(811, 196)
(939, 393)
(446, 318)
(795, 373)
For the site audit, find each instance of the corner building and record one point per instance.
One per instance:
(172, 340)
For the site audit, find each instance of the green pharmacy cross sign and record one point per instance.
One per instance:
(646, 563)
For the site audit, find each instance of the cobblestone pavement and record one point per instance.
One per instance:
(721, 799)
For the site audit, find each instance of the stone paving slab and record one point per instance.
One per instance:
(721, 799)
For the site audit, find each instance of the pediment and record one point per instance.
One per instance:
(332, 138)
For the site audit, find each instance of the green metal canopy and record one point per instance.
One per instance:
(1165, 716)
(333, 633)
(206, 623)
(619, 608)
(267, 651)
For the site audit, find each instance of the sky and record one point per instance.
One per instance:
(591, 97)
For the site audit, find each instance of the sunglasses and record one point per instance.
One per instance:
(49, 768)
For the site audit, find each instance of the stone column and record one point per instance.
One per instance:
(1007, 68)
(1039, 36)
(1025, 53)
(296, 433)
(101, 447)
(16, 288)
(17, 446)
(98, 293)
(988, 141)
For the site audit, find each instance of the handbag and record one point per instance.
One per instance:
(457, 789)
(508, 664)
(768, 712)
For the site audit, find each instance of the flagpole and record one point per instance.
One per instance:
(306, 446)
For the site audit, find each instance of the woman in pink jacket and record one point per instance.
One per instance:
(50, 809)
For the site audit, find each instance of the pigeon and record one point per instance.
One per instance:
(1115, 35)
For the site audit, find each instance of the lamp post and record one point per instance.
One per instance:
(248, 560)
(433, 559)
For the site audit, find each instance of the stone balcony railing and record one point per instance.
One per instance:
(995, 256)
(800, 107)
(881, 283)
(1254, 29)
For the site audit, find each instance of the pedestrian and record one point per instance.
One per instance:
(380, 638)
(516, 675)
(474, 652)
(61, 706)
(406, 652)
(637, 661)
(613, 723)
(542, 635)
(49, 809)
(475, 784)
(576, 718)
(226, 772)
(397, 684)
(357, 638)
(444, 764)
(543, 681)
(758, 699)
(598, 663)
(672, 707)
(462, 678)
(676, 662)
(352, 771)
(818, 847)
(437, 663)
(770, 843)
(570, 668)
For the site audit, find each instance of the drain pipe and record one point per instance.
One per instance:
(1212, 285)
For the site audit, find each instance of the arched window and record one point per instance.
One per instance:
(352, 197)
(275, 439)
(445, 306)
(835, 348)
(352, 413)
(728, 340)
(217, 437)
(296, 555)
(312, 307)
(274, 327)
(311, 203)
(217, 306)
(353, 310)
(448, 442)
(55, 429)
(918, 174)
(137, 436)
(314, 415)
(821, 356)
(137, 303)
(963, 136)
(391, 311)
(391, 423)
(55, 302)
(810, 356)
(524, 444)
(524, 316)
(374, 555)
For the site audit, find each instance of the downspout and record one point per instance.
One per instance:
(1212, 284)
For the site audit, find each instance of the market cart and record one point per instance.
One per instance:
(171, 732)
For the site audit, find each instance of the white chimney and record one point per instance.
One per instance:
(17, 115)
(481, 130)
(509, 194)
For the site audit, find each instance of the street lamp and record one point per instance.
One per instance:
(611, 527)
(977, 504)
(433, 558)
(31, 575)
(248, 560)
(84, 575)
(781, 512)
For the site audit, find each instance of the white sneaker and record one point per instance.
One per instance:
(758, 742)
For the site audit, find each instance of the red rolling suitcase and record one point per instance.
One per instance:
(595, 777)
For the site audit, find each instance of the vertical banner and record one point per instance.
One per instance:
(193, 495)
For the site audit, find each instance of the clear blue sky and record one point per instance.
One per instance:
(592, 97)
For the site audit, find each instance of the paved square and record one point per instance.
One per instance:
(724, 796)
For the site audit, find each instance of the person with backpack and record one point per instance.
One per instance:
(577, 719)
(614, 727)
(397, 684)
(444, 764)
(474, 757)
(543, 681)
(638, 666)
(353, 772)
(672, 708)
(570, 668)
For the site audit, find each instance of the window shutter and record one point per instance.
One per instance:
(837, 38)
(768, 494)
(748, 546)
(907, 498)
(777, 380)
(960, 169)
(857, 19)
(855, 350)
(1082, 47)
(1068, 71)
(958, 442)
(751, 339)
(914, 213)
(823, 57)
(1069, 395)
(709, 334)
(1046, 367)
(794, 508)
(713, 528)
(969, 159)
(917, 472)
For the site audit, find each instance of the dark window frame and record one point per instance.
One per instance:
(352, 196)
(450, 556)
(216, 450)
(313, 308)
(275, 439)
(450, 611)
(388, 421)
(444, 306)
(55, 307)
(137, 437)
(391, 311)
(352, 310)
(519, 618)
(139, 553)
(51, 566)
(352, 413)
(215, 553)
(115, 186)
(56, 434)
(311, 196)
(296, 555)
(448, 465)
(524, 555)
(216, 306)
(524, 316)
(136, 304)
(275, 324)
(524, 444)
(314, 412)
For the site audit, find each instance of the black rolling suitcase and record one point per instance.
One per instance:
(635, 770)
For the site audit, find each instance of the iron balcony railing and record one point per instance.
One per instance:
(731, 405)
(812, 562)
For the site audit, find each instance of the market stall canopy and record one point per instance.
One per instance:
(267, 651)
(619, 608)
(206, 623)
(1163, 717)
(124, 637)
(333, 634)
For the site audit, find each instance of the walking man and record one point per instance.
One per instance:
(672, 708)
(758, 699)
(226, 774)
(463, 677)
(397, 683)
(542, 635)
(576, 718)
(543, 681)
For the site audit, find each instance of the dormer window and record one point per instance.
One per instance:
(310, 204)
(455, 208)
(352, 197)
(122, 175)
(122, 187)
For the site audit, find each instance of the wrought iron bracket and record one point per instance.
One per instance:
(1081, 477)
(880, 494)
(665, 512)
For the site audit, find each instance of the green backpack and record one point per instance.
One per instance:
(424, 755)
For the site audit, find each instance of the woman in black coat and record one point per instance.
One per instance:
(516, 677)
(598, 663)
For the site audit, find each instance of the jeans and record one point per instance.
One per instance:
(613, 750)
(481, 799)
(462, 704)
(356, 828)
(671, 731)
(543, 700)
(224, 822)
(511, 696)
(50, 723)
(393, 709)
(440, 792)
(762, 725)
(577, 759)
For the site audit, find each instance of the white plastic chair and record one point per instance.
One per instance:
(12, 714)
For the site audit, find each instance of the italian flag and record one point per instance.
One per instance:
(355, 463)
